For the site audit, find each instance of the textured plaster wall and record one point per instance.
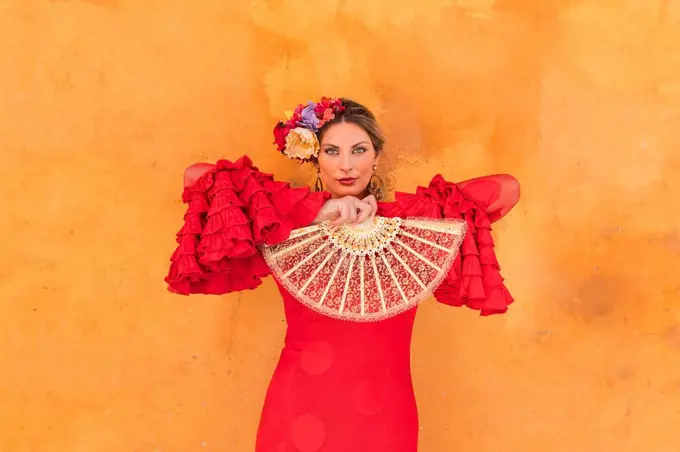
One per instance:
(103, 103)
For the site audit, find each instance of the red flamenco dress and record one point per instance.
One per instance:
(331, 392)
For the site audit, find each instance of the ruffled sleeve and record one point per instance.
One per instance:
(474, 279)
(232, 209)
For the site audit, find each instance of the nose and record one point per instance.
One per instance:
(346, 162)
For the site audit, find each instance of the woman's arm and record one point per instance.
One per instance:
(232, 209)
(497, 193)
(195, 171)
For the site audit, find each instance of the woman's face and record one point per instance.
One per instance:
(346, 159)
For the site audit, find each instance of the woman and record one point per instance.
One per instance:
(340, 384)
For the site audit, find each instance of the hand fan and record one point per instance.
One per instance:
(366, 272)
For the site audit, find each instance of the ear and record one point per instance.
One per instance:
(377, 158)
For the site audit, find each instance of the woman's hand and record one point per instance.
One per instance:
(347, 210)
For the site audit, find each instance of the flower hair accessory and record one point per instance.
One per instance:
(297, 137)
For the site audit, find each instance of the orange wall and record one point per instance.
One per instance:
(103, 103)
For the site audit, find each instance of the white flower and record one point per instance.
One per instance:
(302, 144)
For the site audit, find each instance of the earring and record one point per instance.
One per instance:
(318, 184)
(375, 185)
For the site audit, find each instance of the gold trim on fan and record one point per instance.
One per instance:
(325, 268)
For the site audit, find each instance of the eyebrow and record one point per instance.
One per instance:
(328, 145)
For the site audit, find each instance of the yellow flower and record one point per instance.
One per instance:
(302, 144)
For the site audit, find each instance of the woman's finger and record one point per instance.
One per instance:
(343, 214)
(365, 210)
(370, 199)
(353, 207)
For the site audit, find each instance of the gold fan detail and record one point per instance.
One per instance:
(367, 272)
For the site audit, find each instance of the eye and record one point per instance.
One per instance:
(359, 150)
(331, 151)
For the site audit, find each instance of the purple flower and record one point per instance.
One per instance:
(309, 119)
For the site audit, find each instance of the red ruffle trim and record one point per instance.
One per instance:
(232, 209)
(474, 279)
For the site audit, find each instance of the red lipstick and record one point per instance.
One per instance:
(347, 180)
